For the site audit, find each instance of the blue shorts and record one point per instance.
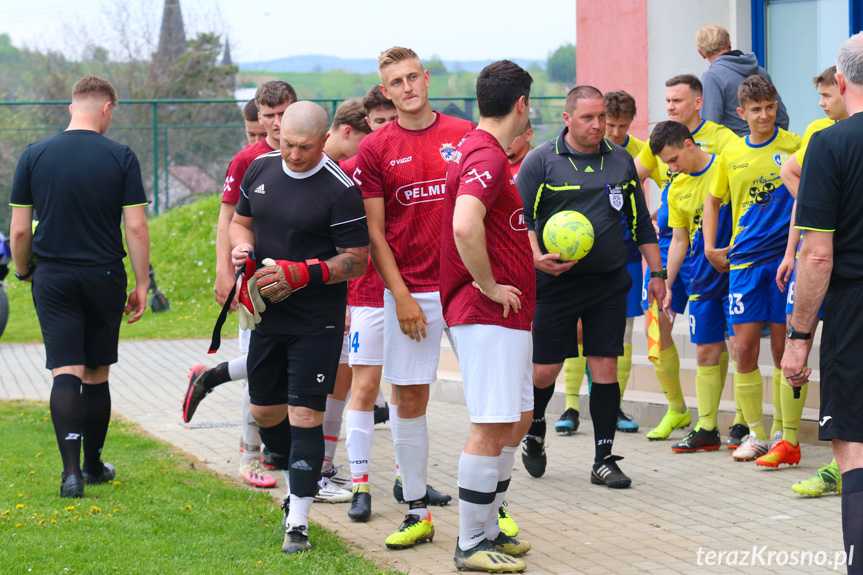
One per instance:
(679, 291)
(708, 320)
(789, 290)
(754, 296)
(633, 298)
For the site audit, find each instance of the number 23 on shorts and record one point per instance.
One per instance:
(735, 304)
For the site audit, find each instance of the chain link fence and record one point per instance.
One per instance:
(185, 146)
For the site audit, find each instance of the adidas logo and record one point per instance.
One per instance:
(260, 189)
(301, 465)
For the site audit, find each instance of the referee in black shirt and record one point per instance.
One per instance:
(830, 209)
(80, 184)
(580, 170)
(303, 218)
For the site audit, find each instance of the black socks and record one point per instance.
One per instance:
(541, 397)
(95, 417)
(65, 405)
(604, 404)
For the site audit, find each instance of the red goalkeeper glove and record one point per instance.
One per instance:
(280, 278)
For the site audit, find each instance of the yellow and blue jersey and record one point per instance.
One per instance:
(633, 146)
(748, 175)
(686, 196)
(709, 136)
(815, 126)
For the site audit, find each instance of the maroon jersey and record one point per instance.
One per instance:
(515, 167)
(367, 290)
(237, 170)
(407, 168)
(481, 169)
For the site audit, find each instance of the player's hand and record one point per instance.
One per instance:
(347, 320)
(412, 319)
(783, 273)
(665, 304)
(656, 291)
(251, 304)
(224, 283)
(238, 255)
(137, 302)
(278, 279)
(718, 258)
(549, 264)
(505, 295)
(794, 362)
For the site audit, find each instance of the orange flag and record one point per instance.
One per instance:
(654, 347)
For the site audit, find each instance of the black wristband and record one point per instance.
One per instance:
(318, 272)
(661, 274)
(30, 269)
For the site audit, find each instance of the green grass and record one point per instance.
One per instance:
(183, 253)
(163, 514)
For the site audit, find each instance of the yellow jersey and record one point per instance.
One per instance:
(748, 175)
(709, 136)
(815, 126)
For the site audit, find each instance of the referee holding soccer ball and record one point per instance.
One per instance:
(582, 171)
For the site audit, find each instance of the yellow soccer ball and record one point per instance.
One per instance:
(569, 234)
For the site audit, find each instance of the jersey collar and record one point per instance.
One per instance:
(770, 141)
(304, 175)
(701, 125)
(696, 174)
(561, 149)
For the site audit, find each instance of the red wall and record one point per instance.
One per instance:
(611, 50)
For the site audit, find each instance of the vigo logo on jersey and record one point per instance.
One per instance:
(446, 151)
(419, 192)
(400, 161)
(516, 221)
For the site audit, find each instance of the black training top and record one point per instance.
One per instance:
(831, 195)
(601, 186)
(78, 183)
(299, 216)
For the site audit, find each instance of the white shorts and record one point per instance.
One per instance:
(496, 371)
(245, 336)
(407, 361)
(366, 346)
(343, 356)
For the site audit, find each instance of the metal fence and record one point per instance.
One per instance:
(184, 146)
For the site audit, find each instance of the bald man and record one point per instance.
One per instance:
(81, 184)
(302, 218)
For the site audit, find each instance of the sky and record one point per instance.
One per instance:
(472, 30)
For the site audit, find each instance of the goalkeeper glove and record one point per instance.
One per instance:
(280, 278)
(251, 304)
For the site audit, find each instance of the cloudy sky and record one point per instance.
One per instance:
(467, 30)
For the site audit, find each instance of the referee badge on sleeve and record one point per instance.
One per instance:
(615, 196)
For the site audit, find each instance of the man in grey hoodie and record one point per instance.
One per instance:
(728, 68)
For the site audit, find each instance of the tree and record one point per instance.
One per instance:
(435, 65)
(561, 64)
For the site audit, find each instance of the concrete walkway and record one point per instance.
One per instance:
(679, 509)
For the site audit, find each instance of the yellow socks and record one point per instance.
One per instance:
(668, 374)
(708, 388)
(738, 411)
(748, 387)
(573, 375)
(624, 367)
(777, 401)
(723, 369)
(792, 410)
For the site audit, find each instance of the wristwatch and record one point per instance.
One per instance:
(662, 274)
(30, 269)
(794, 334)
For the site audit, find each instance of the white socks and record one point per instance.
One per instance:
(237, 368)
(477, 484)
(251, 435)
(300, 508)
(411, 440)
(332, 427)
(505, 461)
(360, 432)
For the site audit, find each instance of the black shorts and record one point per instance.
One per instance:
(299, 370)
(80, 309)
(841, 370)
(598, 300)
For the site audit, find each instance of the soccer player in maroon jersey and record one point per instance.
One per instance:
(255, 130)
(488, 293)
(401, 170)
(519, 148)
(271, 100)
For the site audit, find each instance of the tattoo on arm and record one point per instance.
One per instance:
(348, 264)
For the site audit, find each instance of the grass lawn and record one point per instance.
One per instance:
(183, 253)
(165, 513)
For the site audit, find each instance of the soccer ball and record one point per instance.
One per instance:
(569, 234)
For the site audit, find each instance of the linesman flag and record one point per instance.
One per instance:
(654, 346)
